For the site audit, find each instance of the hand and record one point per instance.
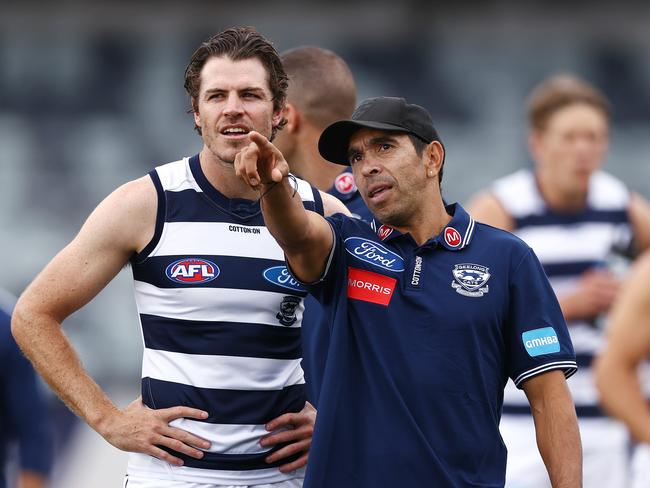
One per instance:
(140, 429)
(260, 163)
(594, 294)
(299, 429)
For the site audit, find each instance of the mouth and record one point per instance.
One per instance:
(235, 132)
(379, 192)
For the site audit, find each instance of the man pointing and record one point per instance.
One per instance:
(429, 316)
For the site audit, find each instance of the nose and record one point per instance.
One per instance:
(369, 167)
(233, 105)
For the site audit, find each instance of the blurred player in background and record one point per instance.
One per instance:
(627, 348)
(576, 218)
(220, 318)
(24, 420)
(321, 91)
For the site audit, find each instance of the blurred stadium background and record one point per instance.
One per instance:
(91, 96)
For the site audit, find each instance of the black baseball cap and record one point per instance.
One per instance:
(385, 113)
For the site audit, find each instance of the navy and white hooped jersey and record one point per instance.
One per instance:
(423, 339)
(220, 320)
(567, 245)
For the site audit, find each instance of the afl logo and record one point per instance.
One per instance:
(452, 237)
(344, 183)
(192, 271)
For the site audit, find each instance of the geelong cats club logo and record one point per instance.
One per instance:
(287, 313)
(470, 279)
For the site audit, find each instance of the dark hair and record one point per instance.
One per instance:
(321, 84)
(237, 44)
(558, 92)
(419, 145)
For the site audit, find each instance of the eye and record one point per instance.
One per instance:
(384, 146)
(250, 95)
(215, 96)
(354, 158)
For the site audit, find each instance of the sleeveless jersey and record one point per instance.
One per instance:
(220, 319)
(567, 245)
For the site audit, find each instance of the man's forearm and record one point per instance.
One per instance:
(558, 440)
(284, 214)
(52, 355)
(622, 396)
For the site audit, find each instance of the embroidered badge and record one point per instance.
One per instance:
(470, 279)
(287, 313)
(384, 231)
(452, 237)
(344, 183)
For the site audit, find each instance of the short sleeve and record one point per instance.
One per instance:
(537, 338)
(327, 284)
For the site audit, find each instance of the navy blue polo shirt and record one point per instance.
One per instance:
(315, 338)
(422, 342)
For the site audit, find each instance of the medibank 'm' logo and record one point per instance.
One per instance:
(370, 287)
(541, 341)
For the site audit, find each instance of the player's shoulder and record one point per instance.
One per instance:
(349, 225)
(175, 176)
(499, 239)
(521, 177)
(606, 191)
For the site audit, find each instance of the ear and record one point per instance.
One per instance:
(278, 115)
(293, 118)
(434, 156)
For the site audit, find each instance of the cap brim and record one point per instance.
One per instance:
(333, 142)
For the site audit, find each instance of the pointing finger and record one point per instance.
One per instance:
(263, 143)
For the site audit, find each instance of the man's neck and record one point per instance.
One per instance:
(557, 196)
(221, 175)
(427, 223)
(310, 166)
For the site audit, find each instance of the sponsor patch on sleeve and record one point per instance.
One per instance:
(541, 341)
(370, 287)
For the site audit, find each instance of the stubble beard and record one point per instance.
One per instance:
(227, 153)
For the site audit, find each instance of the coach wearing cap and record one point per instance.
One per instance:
(429, 316)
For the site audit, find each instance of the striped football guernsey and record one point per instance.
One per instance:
(567, 245)
(220, 320)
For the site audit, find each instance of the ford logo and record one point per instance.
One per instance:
(374, 253)
(279, 275)
(192, 271)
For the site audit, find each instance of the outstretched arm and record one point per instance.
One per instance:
(121, 225)
(556, 428)
(305, 237)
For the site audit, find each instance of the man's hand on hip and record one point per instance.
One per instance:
(138, 428)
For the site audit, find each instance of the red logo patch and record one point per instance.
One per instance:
(452, 237)
(384, 231)
(370, 287)
(344, 183)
